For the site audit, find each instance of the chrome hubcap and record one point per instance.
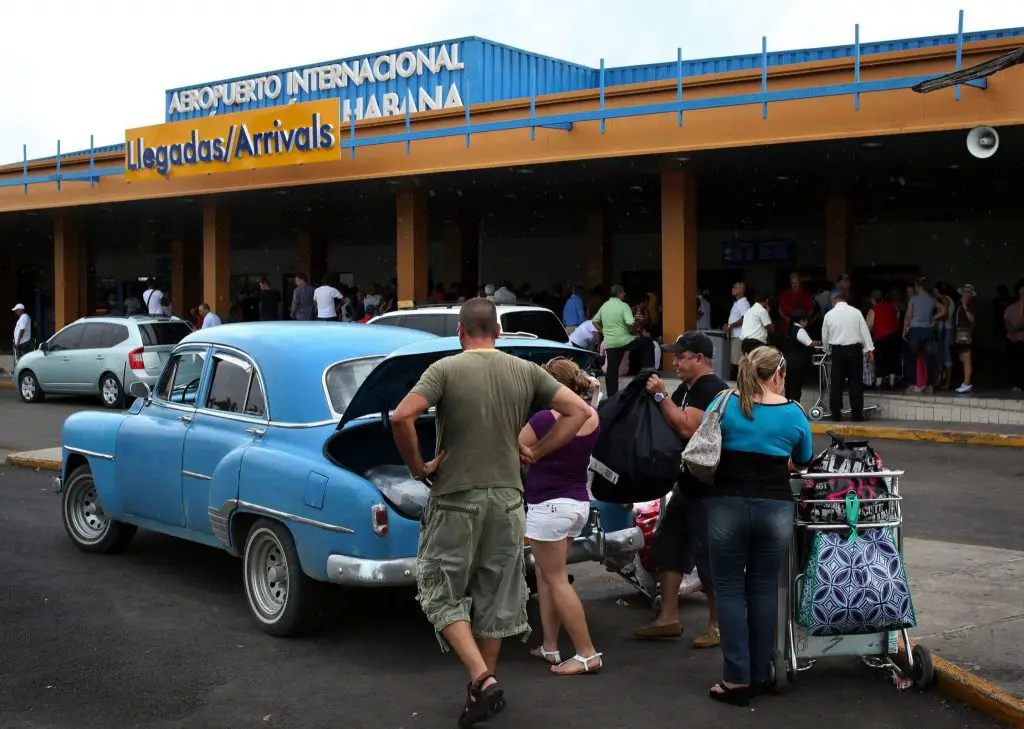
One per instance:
(28, 388)
(84, 514)
(267, 570)
(109, 391)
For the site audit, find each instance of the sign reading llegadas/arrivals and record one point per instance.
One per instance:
(283, 135)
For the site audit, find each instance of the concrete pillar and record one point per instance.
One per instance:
(461, 253)
(216, 258)
(67, 273)
(837, 237)
(678, 252)
(186, 289)
(413, 253)
(311, 249)
(597, 262)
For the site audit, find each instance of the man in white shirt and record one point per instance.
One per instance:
(208, 318)
(756, 326)
(732, 329)
(703, 312)
(325, 295)
(846, 338)
(153, 298)
(586, 336)
(22, 331)
(505, 295)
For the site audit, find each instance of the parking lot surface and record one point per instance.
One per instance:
(160, 637)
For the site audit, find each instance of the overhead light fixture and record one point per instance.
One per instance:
(782, 178)
(680, 159)
(871, 145)
(955, 167)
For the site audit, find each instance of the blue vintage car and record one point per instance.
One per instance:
(272, 441)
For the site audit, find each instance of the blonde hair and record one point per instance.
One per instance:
(756, 369)
(569, 374)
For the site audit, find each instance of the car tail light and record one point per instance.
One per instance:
(135, 360)
(379, 517)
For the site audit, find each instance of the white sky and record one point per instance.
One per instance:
(69, 68)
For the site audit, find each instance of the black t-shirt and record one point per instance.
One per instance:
(699, 395)
(270, 304)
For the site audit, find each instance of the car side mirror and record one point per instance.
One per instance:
(139, 389)
(44, 347)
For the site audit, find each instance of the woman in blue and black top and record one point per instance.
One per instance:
(750, 518)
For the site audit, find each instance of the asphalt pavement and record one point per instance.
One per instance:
(27, 426)
(160, 637)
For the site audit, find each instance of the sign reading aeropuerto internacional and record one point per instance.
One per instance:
(273, 137)
(373, 86)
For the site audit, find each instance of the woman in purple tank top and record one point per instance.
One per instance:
(558, 507)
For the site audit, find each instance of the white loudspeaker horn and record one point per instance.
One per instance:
(982, 142)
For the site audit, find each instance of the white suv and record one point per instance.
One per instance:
(443, 320)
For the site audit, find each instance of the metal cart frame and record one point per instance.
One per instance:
(821, 407)
(796, 650)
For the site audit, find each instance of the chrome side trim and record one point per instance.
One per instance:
(296, 426)
(200, 476)
(251, 420)
(219, 519)
(256, 508)
(359, 572)
(91, 454)
(171, 405)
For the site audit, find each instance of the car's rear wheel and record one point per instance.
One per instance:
(84, 520)
(111, 391)
(28, 387)
(282, 598)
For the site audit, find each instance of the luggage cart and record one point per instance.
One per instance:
(796, 650)
(820, 409)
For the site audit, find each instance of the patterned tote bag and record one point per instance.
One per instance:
(855, 585)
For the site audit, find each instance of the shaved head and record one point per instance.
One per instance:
(478, 319)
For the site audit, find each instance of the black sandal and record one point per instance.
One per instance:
(482, 704)
(739, 696)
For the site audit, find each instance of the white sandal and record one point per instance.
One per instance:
(585, 662)
(539, 652)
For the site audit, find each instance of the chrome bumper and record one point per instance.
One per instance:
(357, 572)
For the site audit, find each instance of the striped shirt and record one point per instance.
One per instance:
(302, 303)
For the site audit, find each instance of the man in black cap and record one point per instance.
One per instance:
(680, 541)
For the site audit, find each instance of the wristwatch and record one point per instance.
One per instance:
(659, 396)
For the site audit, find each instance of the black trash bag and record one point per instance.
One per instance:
(637, 454)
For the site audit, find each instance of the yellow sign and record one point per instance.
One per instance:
(282, 135)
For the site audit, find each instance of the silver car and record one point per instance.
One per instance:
(99, 355)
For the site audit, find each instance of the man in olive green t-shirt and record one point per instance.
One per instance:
(470, 561)
(616, 323)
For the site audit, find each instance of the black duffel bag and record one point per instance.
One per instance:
(636, 457)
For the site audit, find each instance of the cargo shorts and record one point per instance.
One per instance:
(470, 564)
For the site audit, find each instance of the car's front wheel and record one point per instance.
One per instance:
(111, 391)
(89, 528)
(28, 387)
(282, 598)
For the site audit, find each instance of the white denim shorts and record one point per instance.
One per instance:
(557, 519)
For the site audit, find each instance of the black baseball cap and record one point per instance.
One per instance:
(695, 342)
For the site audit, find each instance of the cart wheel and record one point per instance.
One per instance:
(656, 603)
(816, 413)
(924, 669)
(777, 673)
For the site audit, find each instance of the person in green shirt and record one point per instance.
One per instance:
(617, 325)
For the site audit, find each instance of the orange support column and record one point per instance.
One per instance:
(598, 254)
(837, 238)
(185, 267)
(216, 258)
(678, 252)
(413, 253)
(461, 253)
(67, 273)
(311, 250)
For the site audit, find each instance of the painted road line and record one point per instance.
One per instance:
(921, 435)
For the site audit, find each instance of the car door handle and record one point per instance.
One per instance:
(256, 432)
(185, 418)
(66, 359)
(99, 356)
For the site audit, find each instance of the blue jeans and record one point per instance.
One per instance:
(919, 338)
(747, 540)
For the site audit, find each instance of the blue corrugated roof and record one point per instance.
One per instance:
(497, 72)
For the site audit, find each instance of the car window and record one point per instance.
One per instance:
(256, 402)
(67, 338)
(179, 381)
(93, 336)
(343, 380)
(430, 323)
(540, 322)
(230, 386)
(390, 321)
(118, 333)
(163, 333)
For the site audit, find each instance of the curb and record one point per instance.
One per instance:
(6, 384)
(971, 689)
(921, 435)
(45, 464)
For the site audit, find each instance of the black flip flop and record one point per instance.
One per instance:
(732, 696)
(482, 704)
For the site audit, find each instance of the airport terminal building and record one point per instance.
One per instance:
(469, 161)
